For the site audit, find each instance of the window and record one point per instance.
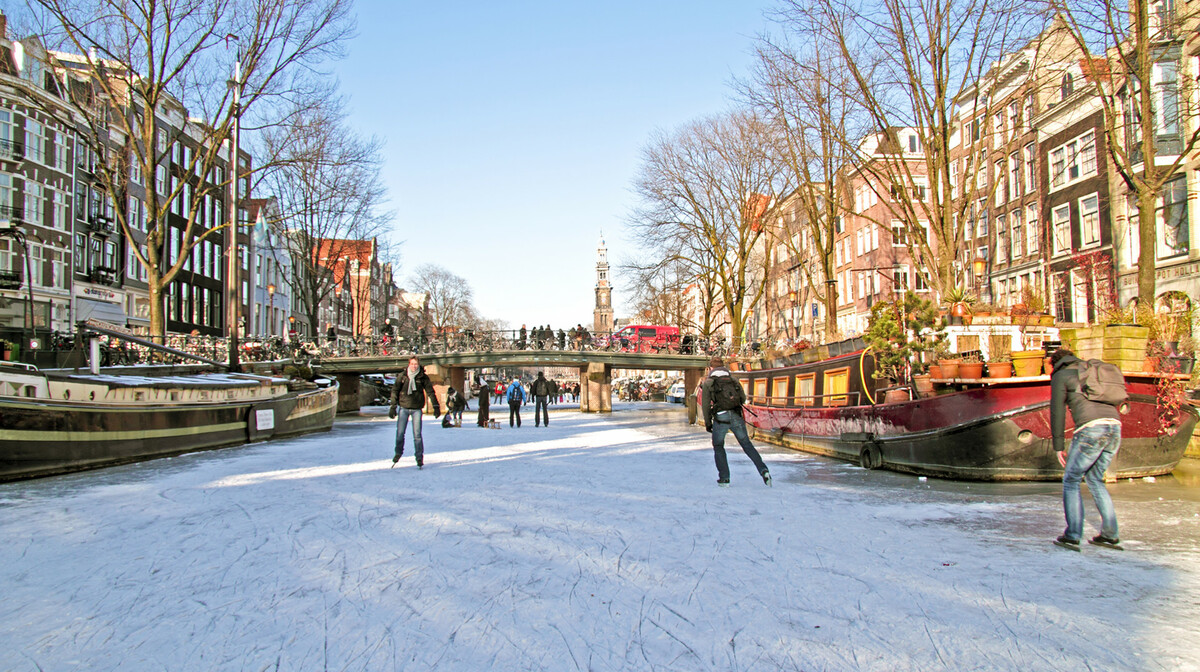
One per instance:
(1014, 175)
(59, 215)
(837, 382)
(920, 282)
(81, 248)
(1001, 239)
(135, 170)
(1027, 117)
(1073, 161)
(805, 389)
(61, 160)
(1172, 219)
(998, 129)
(982, 224)
(1060, 223)
(898, 236)
(1014, 113)
(160, 179)
(779, 395)
(1089, 221)
(760, 391)
(35, 141)
(1000, 177)
(1030, 169)
(981, 171)
(1033, 237)
(1166, 97)
(34, 203)
(954, 179)
(1017, 234)
(900, 278)
(1066, 86)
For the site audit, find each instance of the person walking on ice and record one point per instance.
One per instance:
(516, 395)
(1094, 392)
(409, 394)
(721, 398)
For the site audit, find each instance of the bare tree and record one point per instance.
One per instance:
(331, 198)
(449, 295)
(145, 75)
(905, 61)
(1132, 51)
(803, 92)
(709, 192)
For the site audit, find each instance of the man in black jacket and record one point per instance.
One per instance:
(1097, 438)
(721, 398)
(542, 389)
(409, 394)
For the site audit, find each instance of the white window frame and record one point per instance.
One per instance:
(1089, 232)
(1059, 226)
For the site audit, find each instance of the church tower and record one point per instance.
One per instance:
(602, 316)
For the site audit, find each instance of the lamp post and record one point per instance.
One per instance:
(795, 322)
(10, 230)
(271, 312)
(233, 294)
(291, 326)
(979, 266)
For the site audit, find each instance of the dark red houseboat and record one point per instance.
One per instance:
(979, 429)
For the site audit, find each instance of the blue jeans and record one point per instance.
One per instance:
(1092, 449)
(402, 426)
(539, 406)
(737, 425)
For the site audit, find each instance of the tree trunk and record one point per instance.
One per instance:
(1147, 200)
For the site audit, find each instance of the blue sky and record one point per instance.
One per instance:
(513, 130)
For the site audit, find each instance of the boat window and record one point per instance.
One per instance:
(836, 381)
(779, 395)
(806, 387)
(760, 391)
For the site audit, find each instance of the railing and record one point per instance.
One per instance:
(10, 150)
(102, 223)
(835, 399)
(511, 340)
(312, 352)
(12, 213)
(104, 275)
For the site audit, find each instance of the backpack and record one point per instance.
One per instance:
(727, 393)
(1102, 382)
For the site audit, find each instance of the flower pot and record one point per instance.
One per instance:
(894, 396)
(949, 367)
(1176, 364)
(924, 385)
(7, 355)
(1000, 370)
(970, 370)
(1027, 363)
(935, 371)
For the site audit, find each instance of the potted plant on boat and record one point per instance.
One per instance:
(1120, 337)
(999, 366)
(971, 367)
(958, 301)
(896, 337)
(7, 349)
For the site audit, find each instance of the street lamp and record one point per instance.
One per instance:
(233, 299)
(795, 322)
(291, 326)
(979, 266)
(10, 230)
(271, 313)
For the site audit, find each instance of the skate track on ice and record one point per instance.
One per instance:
(599, 543)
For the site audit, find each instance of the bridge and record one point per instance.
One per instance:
(450, 368)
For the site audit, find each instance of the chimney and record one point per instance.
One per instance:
(3, 25)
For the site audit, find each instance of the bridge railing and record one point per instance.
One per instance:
(116, 352)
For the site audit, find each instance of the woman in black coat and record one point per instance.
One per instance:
(483, 419)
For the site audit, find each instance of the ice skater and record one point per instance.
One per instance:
(1096, 441)
(722, 398)
(515, 395)
(409, 394)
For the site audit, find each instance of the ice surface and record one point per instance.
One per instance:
(599, 543)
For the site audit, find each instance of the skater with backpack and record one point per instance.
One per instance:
(516, 396)
(721, 399)
(1094, 392)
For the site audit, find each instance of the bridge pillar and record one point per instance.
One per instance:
(348, 384)
(595, 388)
(691, 379)
(458, 379)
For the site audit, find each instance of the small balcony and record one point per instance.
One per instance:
(11, 280)
(11, 151)
(100, 223)
(103, 275)
(12, 213)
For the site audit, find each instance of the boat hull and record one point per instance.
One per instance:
(44, 437)
(994, 433)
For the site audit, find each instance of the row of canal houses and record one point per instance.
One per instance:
(55, 211)
(1045, 208)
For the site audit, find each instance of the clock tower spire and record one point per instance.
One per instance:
(602, 316)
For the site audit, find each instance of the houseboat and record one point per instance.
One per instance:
(990, 429)
(56, 422)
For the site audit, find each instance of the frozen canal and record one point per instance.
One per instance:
(600, 543)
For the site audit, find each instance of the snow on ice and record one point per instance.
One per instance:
(599, 543)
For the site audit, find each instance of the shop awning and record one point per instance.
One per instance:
(99, 310)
